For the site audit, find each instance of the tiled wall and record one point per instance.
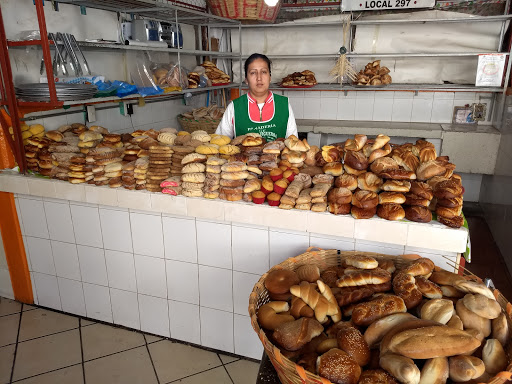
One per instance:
(186, 278)
(5, 277)
(151, 115)
(425, 107)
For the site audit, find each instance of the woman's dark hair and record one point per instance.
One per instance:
(256, 56)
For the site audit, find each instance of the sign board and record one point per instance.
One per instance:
(489, 72)
(372, 5)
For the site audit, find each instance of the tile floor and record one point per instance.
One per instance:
(43, 346)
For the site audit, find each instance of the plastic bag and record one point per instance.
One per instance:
(124, 89)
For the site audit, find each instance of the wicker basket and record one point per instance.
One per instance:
(191, 125)
(291, 373)
(248, 10)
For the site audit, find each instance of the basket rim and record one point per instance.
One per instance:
(291, 366)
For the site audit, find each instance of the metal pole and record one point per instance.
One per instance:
(503, 24)
(505, 86)
(46, 51)
(178, 40)
(240, 57)
(18, 149)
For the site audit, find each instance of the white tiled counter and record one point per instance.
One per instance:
(183, 267)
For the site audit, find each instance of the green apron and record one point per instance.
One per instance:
(270, 130)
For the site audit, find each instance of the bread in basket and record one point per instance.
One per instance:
(456, 330)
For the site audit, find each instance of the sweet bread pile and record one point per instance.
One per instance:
(368, 321)
(297, 79)
(215, 74)
(205, 113)
(373, 74)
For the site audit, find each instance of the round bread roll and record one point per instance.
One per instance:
(310, 155)
(193, 177)
(234, 175)
(251, 141)
(346, 181)
(391, 212)
(339, 196)
(418, 214)
(356, 160)
(365, 199)
(352, 341)
(376, 376)
(352, 171)
(339, 209)
(396, 186)
(465, 368)
(391, 197)
(279, 281)
(422, 190)
(229, 149)
(440, 310)
(361, 213)
(192, 192)
(454, 222)
(494, 356)
(428, 288)
(471, 320)
(469, 286)
(213, 160)
(448, 213)
(383, 164)
(235, 166)
(308, 272)
(220, 140)
(193, 158)
(482, 306)
(207, 149)
(193, 168)
(455, 322)
(369, 181)
(449, 291)
(338, 366)
(435, 371)
(335, 169)
(500, 329)
(429, 169)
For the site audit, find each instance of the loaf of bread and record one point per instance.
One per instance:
(293, 335)
(376, 376)
(364, 277)
(494, 357)
(482, 305)
(465, 368)
(378, 329)
(500, 329)
(428, 288)
(352, 341)
(471, 320)
(430, 342)
(366, 313)
(269, 315)
(338, 367)
(435, 371)
(401, 367)
(404, 286)
(440, 310)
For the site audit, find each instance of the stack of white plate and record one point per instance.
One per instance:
(65, 92)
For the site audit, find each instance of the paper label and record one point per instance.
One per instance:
(490, 70)
(370, 5)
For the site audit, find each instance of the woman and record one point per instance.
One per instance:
(260, 110)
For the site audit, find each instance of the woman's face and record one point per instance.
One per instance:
(258, 77)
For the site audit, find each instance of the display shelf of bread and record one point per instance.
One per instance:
(373, 74)
(302, 79)
(357, 317)
(216, 76)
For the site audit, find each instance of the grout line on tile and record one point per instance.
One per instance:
(227, 372)
(44, 373)
(50, 334)
(16, 348)
(151, 358)
(195, 374)
(81, 347)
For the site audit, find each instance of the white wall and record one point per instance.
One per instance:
(5, 277)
